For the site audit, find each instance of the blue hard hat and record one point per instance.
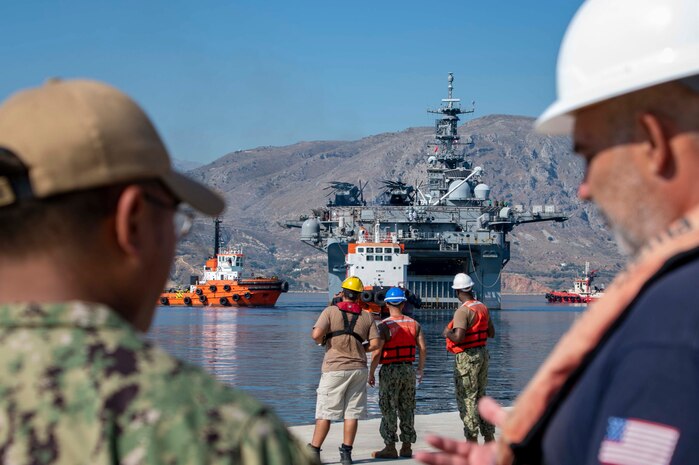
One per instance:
(395, 295)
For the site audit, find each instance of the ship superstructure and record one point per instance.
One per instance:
(378, 264)
(449, 226)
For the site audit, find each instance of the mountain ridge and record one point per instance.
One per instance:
(265, 186)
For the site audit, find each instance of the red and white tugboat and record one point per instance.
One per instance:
(582, 292)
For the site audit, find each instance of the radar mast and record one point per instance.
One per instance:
(446, 129)
(447, 170)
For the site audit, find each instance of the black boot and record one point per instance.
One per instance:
(346, 455)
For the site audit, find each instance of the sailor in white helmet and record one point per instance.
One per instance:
(621, 386)
(466, 336)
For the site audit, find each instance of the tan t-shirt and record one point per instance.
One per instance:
(345, 352)
(463, 317)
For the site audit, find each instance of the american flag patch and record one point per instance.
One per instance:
(630, 441)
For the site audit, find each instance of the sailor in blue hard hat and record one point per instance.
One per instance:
(400, 334)
(395, 296)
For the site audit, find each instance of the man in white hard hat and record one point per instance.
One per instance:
(466, 335)
(620, 387)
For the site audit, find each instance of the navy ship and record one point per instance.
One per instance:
(447, 226)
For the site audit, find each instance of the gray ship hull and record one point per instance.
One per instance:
(430, 275)
(448, 242)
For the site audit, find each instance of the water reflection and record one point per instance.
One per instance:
(269, 353)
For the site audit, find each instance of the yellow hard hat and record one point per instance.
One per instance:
(353, 284)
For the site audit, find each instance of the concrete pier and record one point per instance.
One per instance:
(369, 440)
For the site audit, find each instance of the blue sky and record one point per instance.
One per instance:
(218, 76)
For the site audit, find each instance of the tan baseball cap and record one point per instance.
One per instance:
(80, 134)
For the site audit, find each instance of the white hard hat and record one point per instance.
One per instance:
(462, 282)
(614, 47)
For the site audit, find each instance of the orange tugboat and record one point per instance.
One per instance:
(223, 284)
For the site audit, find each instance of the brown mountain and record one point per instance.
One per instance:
(268, 185)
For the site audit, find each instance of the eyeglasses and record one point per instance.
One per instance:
(182, 218)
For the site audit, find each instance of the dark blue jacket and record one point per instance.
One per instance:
(640, 388)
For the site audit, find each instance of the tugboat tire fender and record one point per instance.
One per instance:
(227, 288)
(223, 301)
(367, 296)
(198, 291)
(187, 301)
(236, 297)
(379, 297)
(202, 298)
(212, 288)
(285, 286)
(164, 301)
(248, 295)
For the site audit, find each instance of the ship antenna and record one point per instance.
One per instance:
(451, 87)
(217, 235)
(447, 137)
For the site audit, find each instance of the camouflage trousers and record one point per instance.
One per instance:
(470, 380)
(397, 401)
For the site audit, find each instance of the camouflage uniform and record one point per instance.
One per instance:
(397, 401)
(470, 379)
(79, 386)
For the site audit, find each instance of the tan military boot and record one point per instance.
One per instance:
(388, 452)
(406, 450)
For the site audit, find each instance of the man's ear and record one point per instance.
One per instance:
(130, 220)
(660, 155)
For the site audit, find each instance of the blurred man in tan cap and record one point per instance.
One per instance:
(90, 213)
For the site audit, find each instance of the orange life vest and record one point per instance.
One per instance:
(477, 334)
(401, 346)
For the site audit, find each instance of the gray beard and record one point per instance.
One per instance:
(624, 243)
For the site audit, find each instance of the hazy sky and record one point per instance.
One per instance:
(218, 76)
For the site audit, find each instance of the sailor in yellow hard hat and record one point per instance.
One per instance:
(343, 329)
(353, 284)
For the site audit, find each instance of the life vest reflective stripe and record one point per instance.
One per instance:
(347, 308)
(477, 334)
(401, 345)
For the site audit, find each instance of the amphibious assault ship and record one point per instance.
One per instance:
(449, 226)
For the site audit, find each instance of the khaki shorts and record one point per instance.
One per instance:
(342, 395)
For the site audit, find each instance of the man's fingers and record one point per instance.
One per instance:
(453, 452)
(491, 411)
(451, 446)
(439, 458)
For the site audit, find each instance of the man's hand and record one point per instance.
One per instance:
(446, 331)
(419, 375)
(372, 380)
(453, 452)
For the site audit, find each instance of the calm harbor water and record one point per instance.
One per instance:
(268, 352)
